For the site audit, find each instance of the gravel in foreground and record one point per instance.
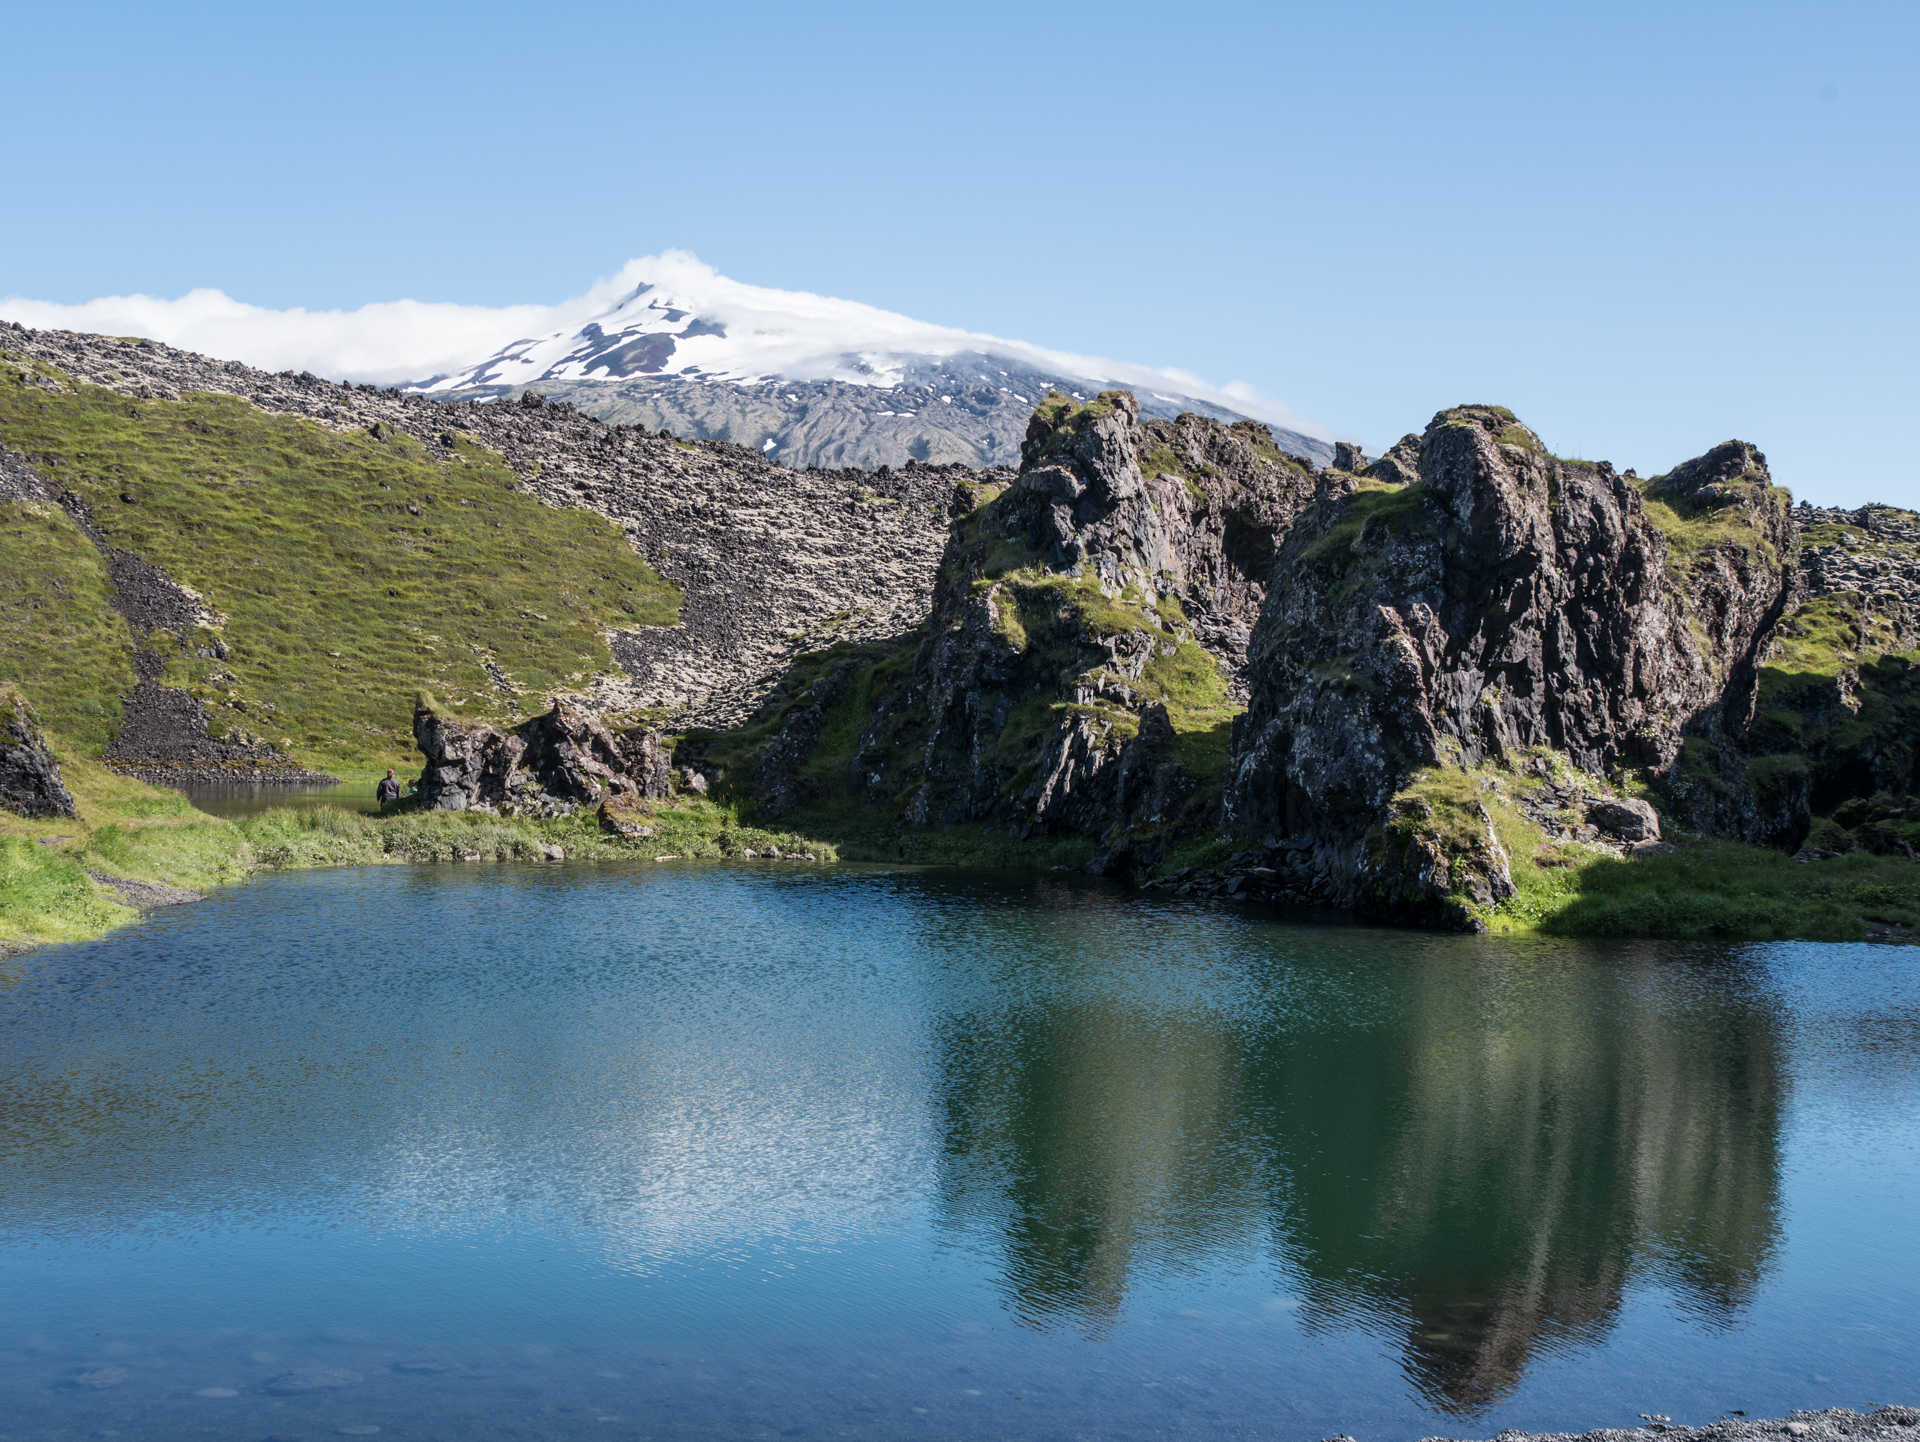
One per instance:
(1883, 1424)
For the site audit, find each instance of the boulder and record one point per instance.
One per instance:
(30, 783)
(627, 817)
(559, 760)
(1624, 818)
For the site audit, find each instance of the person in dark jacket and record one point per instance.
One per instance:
(387, 790)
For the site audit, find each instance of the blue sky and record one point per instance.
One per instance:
(1646, 228)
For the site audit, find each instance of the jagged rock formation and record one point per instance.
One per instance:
(771, 561)
(1473, 598)
(552, 765)
(1079, 666)
(30, 783)
(1835, 712)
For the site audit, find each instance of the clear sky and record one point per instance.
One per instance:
(1644, 227)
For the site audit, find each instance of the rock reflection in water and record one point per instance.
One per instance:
(1481, 1163)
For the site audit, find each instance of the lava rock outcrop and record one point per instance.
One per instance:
(1088, 630)
(30, 783)
(551, 765)
(1470, 598)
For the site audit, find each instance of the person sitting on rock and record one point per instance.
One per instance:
(388, 789)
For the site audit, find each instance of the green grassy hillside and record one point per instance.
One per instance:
(346, 571)
(60, 637)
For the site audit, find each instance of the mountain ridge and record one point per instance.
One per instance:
(811, 381)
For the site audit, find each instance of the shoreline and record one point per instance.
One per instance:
(132, 847)
(1886, 1423)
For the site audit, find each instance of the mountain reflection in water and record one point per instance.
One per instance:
(1479, 1162)
(733, 1151)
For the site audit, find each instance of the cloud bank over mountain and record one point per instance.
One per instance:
(755, 332)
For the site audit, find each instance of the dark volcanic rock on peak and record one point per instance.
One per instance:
(1476, 599)
(965, 409)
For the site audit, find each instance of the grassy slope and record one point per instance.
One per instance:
(1705, 888)
(59, 636)
(338, 601)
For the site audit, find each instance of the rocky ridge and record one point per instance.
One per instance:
(1472, 598)
(965, 410)
(1083, 655)
(771, 560)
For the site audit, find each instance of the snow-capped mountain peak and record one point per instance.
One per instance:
(674, 316)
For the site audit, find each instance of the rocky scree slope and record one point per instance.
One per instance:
(165, 733)
(768, 560)
(177, 575)
(1082, 661)
(964, 410)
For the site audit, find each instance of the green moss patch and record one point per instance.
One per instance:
(59, 635)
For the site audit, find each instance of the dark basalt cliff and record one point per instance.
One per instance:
(1082, 662)
(1471, 599)
(1090, 624)
(1389, 687)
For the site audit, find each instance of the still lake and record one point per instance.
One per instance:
(724, 1151)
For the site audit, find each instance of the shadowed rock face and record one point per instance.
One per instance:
(1471, 597)
(30, 783)
(558, 761)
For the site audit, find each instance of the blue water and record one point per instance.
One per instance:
(685, 1150)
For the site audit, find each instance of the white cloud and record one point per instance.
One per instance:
(384, 342)
(794, 334)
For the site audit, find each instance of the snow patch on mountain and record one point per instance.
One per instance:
(672, 315)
